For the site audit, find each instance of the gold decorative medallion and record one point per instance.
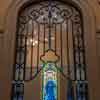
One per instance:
(49, 56)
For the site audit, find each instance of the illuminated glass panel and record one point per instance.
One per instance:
(49, 88)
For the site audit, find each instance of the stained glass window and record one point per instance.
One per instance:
(50, 40)
(49, 82)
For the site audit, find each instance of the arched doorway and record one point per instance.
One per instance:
(50, 33)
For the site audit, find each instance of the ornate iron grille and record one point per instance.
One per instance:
(50, 32)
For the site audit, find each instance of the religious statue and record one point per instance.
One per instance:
(50, 90)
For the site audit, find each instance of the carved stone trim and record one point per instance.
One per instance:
(98, 32)
(1, 32)
(98, 2)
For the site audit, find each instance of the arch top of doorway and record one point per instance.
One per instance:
(83, 7)
(18, 5)
(33, 2)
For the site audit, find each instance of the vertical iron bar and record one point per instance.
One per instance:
(16, 46)
(38, 47)
(84, 62)
(23, 92)
(49, 33)
(61, 45)
(12, 92)
(74, 52)
(57, 80)
(32, 50)
(49, 16)
(20, 56)
(83, 44)
(67, 45)
(55, 39)
(77, 90)
(44, 40)
(19, 74)
(25, 51)
(78, 51)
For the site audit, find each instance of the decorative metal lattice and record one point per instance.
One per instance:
(50, 32)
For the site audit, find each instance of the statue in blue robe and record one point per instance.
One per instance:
(50, 90)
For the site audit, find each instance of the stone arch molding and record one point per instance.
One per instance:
(89, 33)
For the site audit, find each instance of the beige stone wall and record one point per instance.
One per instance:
(4, 5)
(6, 56)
